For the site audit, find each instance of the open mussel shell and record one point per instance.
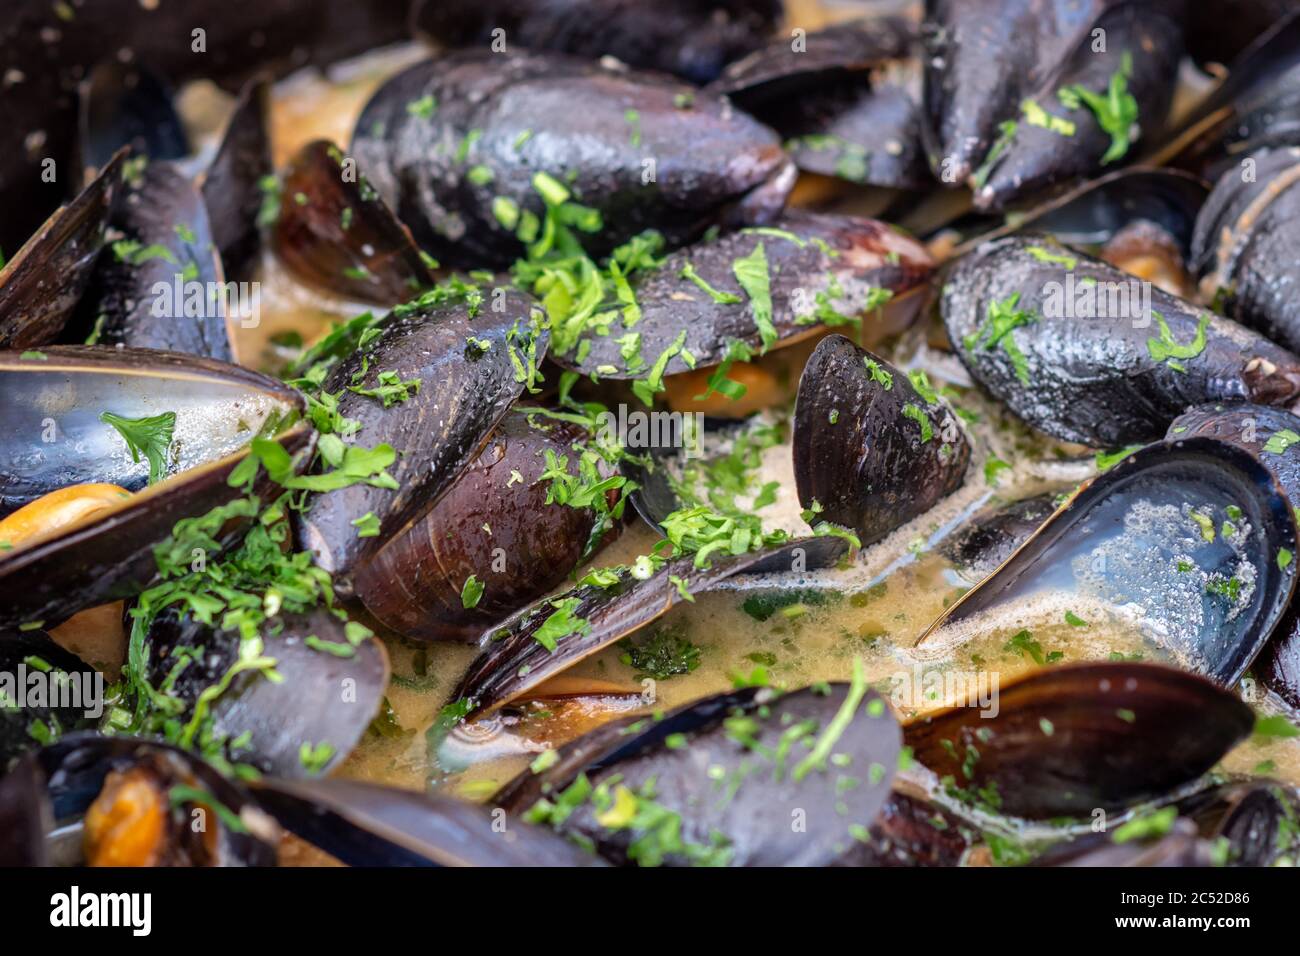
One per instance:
(1087, 353)
(43, 282)
(1188, 541)
(868, 448)
(1072, 738)
(834, 103)
(232, 183)
(1248, 243)
(185, 811)
(513, 660)
(362, 824)
(1267, 434)
(335, 232)
(823, 269)
(453, 146)
(464, 362)
(689, 38)
(46, 691)
(495, 525)
(161, 285)
(54, 438)
(988, 68)
(737, 768)
(330, 687)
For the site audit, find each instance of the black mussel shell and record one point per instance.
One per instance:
(995, 533)
(453, 145)
(992, 82)
(335, 232)
(911, 831)
(463, 356)
(234, 831)
(1268, 434)
(832, 102)
(43, 282)
(692, 39)
(756, 778)
(161, 286)
(232, 184)
(1072, 738)
(330, 688)
(513, 660)
(1248, 243)
(1070, 344)
(870, 452)
(1259, 820)
(362, 824)
(822, 270)
(71, 693)
(1219, 30)
(1193, 536)
(495, 525)
(59, 394)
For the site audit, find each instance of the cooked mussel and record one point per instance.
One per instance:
(1188, 541)
(754, 290)
(691, 39)
(749, 778)
(57, 435)
(494, 528)
(1248, 243)
(300, 715)
(553, 634)
(334, 231)
(476, 151)
(840, 100)
(232, 183)
(459, 364)
(1023, 97)
(1072, 738)
(122, 801)
(366, 825)
(995, 533)
(1090, 354)
(873, 448)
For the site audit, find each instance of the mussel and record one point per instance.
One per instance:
(1190, 541)
(454, 366)
(872, 448)
(1023, 97)
(553, 634)
(66, 418)
(120, 801)
(479, 152)
(1087, 353)
(45, 691)
(750, 778)
(496, 528)
(1247, 243)
(1073, 738)
(751, 291)
(840, 97)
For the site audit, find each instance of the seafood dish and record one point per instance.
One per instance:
(593, 433)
